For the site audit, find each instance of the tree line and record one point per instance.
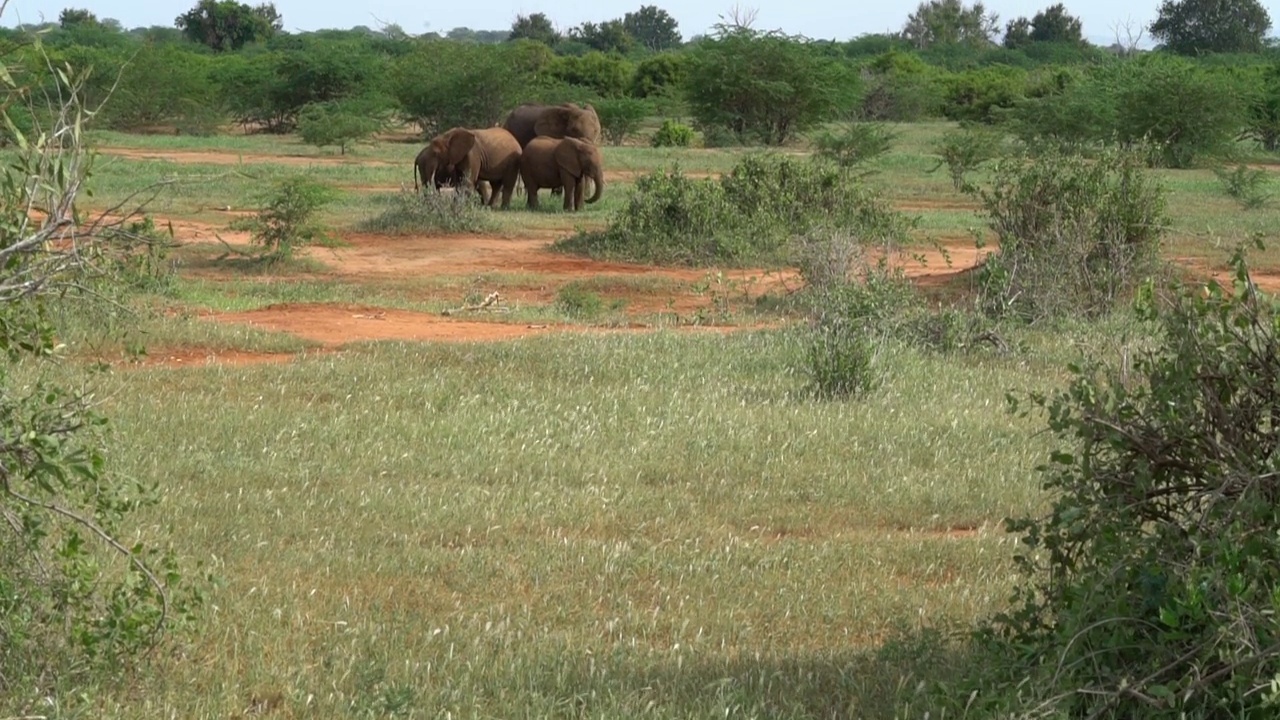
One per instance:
(227, 61)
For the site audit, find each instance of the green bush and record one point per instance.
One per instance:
(659, 74)
(980, 95)
(605, 75)
(341, 122)
(412, 213)
(855, 144)
(840, 361)
(578, 302)
(964, 150)
(900, 87)
(1151, 586)
(672, 134)
(1263, 123)
(1075, 235)
(747, 216)
(1247, 185)
(620, 117)
(287, 217)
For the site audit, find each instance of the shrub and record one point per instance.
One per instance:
(672, 134)
(979, 95)
(855, 144)
(1149, 588)
(658, 74)
(606, 75)
(964, 151)
(840, 361)
(410, 213)
(620, 117)
(1074, 235)
(900, 87)
(340, 122)
(748, 215)
(1263, 123)
(1247, 185)
(578, 302)
(287, 218)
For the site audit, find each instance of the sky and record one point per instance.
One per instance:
(820, 19)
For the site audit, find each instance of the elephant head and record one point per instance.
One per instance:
(569, 120)
(582, 159)
(447, 158)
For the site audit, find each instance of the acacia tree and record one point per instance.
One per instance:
(227, 24)
(536, 27)
(652, 27)
(765, 86)
(949, 22)
(608, 36)
(1193, 27)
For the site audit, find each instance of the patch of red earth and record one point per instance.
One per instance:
(1267, 280)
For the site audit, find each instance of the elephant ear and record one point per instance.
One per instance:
(459, 145)
(568, 156)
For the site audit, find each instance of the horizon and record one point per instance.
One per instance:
(1100, 19)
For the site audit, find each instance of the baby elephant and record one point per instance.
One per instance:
(549, 162)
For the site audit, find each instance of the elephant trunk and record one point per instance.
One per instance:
(597, 177)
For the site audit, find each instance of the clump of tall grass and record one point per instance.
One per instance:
(409, 213)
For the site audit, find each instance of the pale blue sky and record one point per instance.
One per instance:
(815, 18)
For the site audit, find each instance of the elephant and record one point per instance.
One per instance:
(531, 120)
(472, 156)
(549, 162)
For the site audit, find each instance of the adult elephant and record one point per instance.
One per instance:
(549, 162)
(472, 156)
(532, 120)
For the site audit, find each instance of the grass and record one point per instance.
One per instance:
(655, 525)
(502, 529)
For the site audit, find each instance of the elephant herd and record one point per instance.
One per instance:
(544, 146)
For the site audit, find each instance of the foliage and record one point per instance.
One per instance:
(287, 219)
(1055, 24)
(840, 360)
(1247, 185)
(900, 87)
(979, 95)
(966, 149)
(76, 16)
(227, 24)
(855, 143)
(949, 22)
(658, 73)
(339, 122)
(577, 301)
(1149, 589)
(766, 87)
(444, 84)
(1263, 122)
(1193, 27)
(606, 75)
(536, 27)
(746, 216)
(609, 36)
(672, 134)
(412, 213)
(67, 612)
(1017, 33)
(1069, 113)
(161, 85)
(620, 117)
(652, 27)
(1074, 236)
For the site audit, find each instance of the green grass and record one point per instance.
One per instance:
(654, 525)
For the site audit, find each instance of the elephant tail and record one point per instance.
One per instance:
(415, 177)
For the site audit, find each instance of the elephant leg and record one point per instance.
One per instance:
(532, 192)
(579, 193)
(568, 182)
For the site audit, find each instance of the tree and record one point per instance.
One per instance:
(1055, 24)
(536, 27)
(609, 36)
(949, 22)
(74, 16)
(1193, 27)
(1017, 33)
(652, 27)
(227, 24)
(765, 86)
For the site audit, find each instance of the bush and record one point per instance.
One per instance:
(659, 74)
(411, 213)
(965, 150)
(672, 134)
(900, 87)
(620, 117)
(1150, 587)
(840, 361)
(747, 216)
(578, 302)
(855, 144)
(980, 95)
(287, 218)
(605, 75)
(1245, 184)
(1075, 236)
(1263, 123)
(340, 122)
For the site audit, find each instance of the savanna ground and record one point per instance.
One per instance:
(536, 511)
